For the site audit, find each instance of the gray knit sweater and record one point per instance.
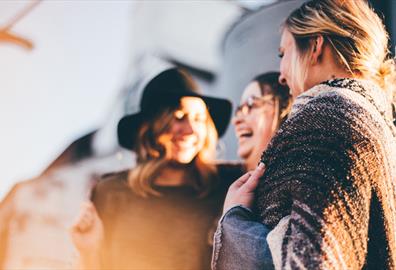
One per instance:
(332, 169)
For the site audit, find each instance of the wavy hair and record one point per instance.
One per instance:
(153, 156)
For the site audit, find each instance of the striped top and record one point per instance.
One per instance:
(332, 169)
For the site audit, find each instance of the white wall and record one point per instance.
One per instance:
(65, 86)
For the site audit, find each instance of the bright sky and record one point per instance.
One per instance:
(65, 86)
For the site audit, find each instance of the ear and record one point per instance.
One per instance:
(317, 49)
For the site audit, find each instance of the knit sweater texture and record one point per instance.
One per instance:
(332, 168)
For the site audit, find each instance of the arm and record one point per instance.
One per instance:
(240, 240)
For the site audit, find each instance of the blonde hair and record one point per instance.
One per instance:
(355, 33)
(153, 156)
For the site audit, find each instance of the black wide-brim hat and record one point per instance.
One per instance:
(163, 91)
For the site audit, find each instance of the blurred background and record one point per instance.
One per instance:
(69, 69)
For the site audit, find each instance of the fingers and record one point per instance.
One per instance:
(252, 182)
(241, 192)
(241, 180)
(259, 171)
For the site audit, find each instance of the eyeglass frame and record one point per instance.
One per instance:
(251, 103)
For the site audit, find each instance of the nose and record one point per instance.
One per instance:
(282, 80)
(187, 127)
(237, 118)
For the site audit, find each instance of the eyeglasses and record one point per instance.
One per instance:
(253, 102)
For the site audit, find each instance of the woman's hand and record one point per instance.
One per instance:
(87, 232)
(241, 192)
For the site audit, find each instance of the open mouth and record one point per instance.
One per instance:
(245, 134)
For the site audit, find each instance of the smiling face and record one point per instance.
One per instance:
(187, 133)
(254, 122)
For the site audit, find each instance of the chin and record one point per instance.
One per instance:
(243, 154)
(184, 159)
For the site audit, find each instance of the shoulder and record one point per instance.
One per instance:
(353, 97)
(27, 195)
(329, 108)
(113, 179)
(350, 106)
(8, 202)
(110, 183)
(318, 99)
(23, 190)
(325, 117)
(111, 193)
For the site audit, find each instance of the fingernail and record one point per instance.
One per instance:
(261, 165)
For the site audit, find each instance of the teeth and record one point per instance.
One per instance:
(245, 134)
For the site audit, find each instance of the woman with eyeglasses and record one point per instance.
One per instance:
(265, 104)
(264, 107)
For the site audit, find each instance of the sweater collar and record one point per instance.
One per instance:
(369, 90)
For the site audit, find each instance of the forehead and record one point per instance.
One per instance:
(253, 89)
(287, 39)
(192, 104)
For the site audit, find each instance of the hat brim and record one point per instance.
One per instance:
(219, 109)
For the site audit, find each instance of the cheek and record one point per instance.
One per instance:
(202, 133)
(263, 128)
(285, 67)
(173, 128)
(282, 66)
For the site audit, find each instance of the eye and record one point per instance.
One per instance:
(179, 115)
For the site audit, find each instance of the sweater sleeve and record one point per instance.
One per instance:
(316, 173)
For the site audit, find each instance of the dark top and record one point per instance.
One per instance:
(332, 168)
(173, 231)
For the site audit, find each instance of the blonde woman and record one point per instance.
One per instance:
(327, 196)
(159, 215)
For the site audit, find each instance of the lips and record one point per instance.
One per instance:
(244, 132)
(185, 142)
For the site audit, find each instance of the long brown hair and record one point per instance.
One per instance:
(153, 156)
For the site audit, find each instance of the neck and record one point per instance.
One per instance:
(174, 175)
(252, 161)
(327, 68)
(320, 76)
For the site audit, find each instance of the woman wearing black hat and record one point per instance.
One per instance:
(159, 215)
